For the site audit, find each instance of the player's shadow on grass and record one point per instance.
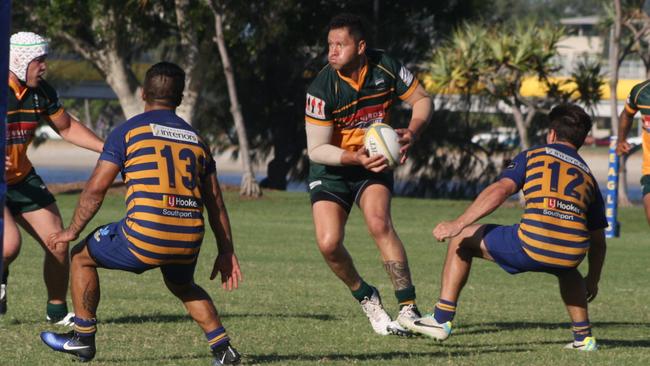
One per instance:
(152, 360)
(322, 317)
(175, 318)
(382, 356)
(623, 343)
(483, 328)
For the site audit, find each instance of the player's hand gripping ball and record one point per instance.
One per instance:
(381, 139)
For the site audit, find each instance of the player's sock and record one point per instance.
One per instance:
(405, 296)
(85, 327)
(581, 330)
(217, 338)
(444, 311)
(56, 312)
(3, 292)
(364, 291)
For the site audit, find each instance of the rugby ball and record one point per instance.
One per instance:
(381, 139)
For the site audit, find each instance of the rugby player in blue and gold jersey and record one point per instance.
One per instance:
(170, 176)
(356, 89)
(563, 220)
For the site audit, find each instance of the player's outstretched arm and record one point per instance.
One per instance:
(624, 125)
(75, 132)
(596, 257)
(226, 262)
(90, 201)
(489, 200)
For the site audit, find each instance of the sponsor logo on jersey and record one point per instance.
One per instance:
(315, 107)
(511, 165)
(315, 184)
(180, 202)
(177, 134)
(558, 215)
(364, 117)
(379, 82)
(558, 204)
(177, 213)
(406, 76)
(569, 159)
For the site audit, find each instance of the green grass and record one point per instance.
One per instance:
(291, 310)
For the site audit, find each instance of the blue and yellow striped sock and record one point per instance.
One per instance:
(581, 330)
(85, 327)
(217, 338)
(444, 311)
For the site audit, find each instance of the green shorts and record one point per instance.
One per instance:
(645, 183)
(343, 184)
(30, 194)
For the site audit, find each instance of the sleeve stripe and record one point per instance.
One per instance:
(630, 109)
(318, 121)
(411, 89)
(57, 113)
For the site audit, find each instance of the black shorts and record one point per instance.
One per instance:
(645, 184)
(343, 184)
(30, 194)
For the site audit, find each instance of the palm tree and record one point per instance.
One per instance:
(493, 61)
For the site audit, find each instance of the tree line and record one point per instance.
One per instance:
(249, 63)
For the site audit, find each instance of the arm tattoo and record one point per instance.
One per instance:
(399, 274)
(86, 209)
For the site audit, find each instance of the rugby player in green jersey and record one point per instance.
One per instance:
(355, 90)
(563, 220)
(32, 102)
(170, 177)
(637, 101)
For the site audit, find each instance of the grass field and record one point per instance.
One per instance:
(291, 310)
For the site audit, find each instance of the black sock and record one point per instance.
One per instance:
(364, 291)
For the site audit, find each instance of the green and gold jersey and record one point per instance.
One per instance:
(350, 107)
(639, 100)
(27, 108)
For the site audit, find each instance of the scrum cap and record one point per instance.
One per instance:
(23, 48)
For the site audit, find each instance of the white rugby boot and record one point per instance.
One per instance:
(429, 327)
(588, 344)
(404, 321)
(374, 310)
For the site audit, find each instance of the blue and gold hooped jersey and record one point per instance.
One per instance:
(563, 203)
(163, 162)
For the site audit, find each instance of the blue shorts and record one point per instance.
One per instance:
(110, 250)
(504, 246)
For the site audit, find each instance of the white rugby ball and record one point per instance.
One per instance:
(381, 139)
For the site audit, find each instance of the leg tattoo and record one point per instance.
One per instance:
(399, 274)
(90, 299)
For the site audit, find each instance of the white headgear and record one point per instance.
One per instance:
(23, 48)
